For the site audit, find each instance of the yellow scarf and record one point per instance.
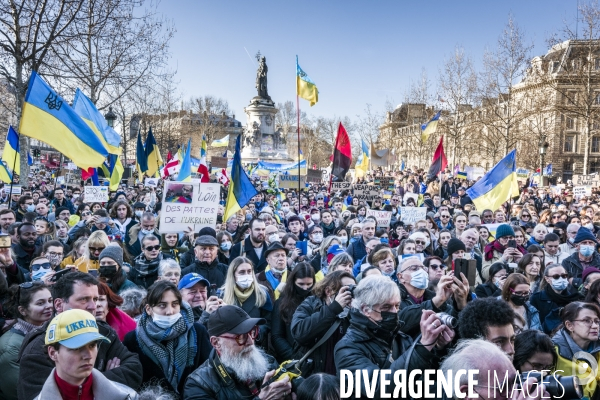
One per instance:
(273, 281)
(243, 296)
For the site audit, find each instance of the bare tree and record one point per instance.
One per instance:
(286, 118)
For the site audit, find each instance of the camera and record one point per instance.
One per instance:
(289, 368)
(557, 386)
(351, 290)
(447, 320)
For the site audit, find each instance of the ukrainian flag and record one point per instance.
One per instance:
(113, 171)
(185, 173)
(29, 158)
(49, 119)
(155, 161)
(430, 127)
(10, 154)
(223, 142)
(305, 87)
(5, 175)
(141, 157)
(241, 190)
(84, 107)
(497, 186)
(362, 164)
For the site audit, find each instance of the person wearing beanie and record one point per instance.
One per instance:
(456, 249)
(586, 256)
(589, 276)
(499, 250)
(111, 269)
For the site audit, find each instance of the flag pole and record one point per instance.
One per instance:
(298, 133)
(12, 177)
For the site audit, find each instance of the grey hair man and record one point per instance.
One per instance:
(169, 270)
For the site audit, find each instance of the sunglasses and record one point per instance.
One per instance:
(96, 249)
(436, 266)
(153, 248)
(420, 242)
(35, 267)
(86, 213)
(556, 276)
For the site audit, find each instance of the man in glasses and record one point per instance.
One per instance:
(444, 221)
(585, 256)
(144, 271)
(236, 368)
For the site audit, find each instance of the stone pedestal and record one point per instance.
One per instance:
(261, 139)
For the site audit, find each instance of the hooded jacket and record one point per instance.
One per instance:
(36, 365)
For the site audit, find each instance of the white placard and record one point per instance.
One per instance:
(189, 204)
(16, 190)
(95, 194)
(383, 217)
(580, 191)
(151, 182)
(413, 196)
(410, 215)
(335, 186)
(291, 181)
(71, 166)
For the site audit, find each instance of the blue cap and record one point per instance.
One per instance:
(191, 279)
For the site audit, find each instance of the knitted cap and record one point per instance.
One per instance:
(584, 234)
(455, 245)
(59, 210)
(588, 271)
(504, 230)
(112, 251)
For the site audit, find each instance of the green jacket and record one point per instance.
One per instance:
(10, 344)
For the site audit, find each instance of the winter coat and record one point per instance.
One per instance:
(487, 289)
(357, 249)
(574, 267)
(36, 365)
(215, 272)
(133, 244)
(410, 312)
(545, 306)
(153, 372)
(557, 258)
(281, 336)
(10, 344)
(248, 251)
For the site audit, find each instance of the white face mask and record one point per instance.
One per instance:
(285, 209)
(318, 237)
(165, 321)
(244, 281)
(139, 214)
(315, 217)
(343, 239)
(273, 238)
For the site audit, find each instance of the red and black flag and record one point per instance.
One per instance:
(439, 162)
(342, 155)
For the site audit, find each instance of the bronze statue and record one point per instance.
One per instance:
(261, 79)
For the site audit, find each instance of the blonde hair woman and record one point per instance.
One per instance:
(95, 244)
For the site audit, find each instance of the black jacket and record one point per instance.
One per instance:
(410, 312)
(153, 372)
(206, 383)
(146, 281)
(249, 253)
(36, 366)
(24, 258)
(215, 272)
(311, 321)
(357, 249)
(487, 290)
(281, 336)
(361, 350)
(574, 268)
(547, 307)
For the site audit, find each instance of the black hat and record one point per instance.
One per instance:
(455, 245)
(273, 247)
(138, 204)
(60, 209)
(231, 319)
(207, 230)
(206, 240)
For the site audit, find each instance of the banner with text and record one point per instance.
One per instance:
(383, 217)
(365, 192)
(335, 186)
(95, 194)
(410, 215)
(190, 204)
(291, 181)
(586, 180)
(580, 191)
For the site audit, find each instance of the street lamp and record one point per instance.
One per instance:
(542, 148)
(110, 117)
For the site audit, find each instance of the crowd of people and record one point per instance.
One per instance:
(95, 302)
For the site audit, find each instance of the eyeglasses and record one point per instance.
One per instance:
(53, 254)
(555, 216)
(414, 268)
(556, 276)
(95, 249)
(152, 248)
(522, 294)
(86, 213)
(445, 216)
(243, 338)
(588, 321)
(420, 242)
(540, 367)
(526, 216)
(436, 266)
(35, 267)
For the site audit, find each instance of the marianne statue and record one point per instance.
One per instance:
(261, 79)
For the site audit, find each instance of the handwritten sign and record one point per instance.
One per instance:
(314, 175)
(151, 182)
(586, 180)
(218, 162)
(365, 192)
(410, 215)
(383, 217)
(16, 190)
(580, 191)
(386, 182)
(95, 194)
(71, 166)
(189, 204)
(335, 186)
(291, 181)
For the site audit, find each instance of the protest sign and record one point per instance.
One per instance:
(95, 194)
(522, 173)
(71, 166)
(151, 182)
(15, 190)
(586, 180)
(335, 186)
(410, 215)
(365, 192)
(291, 181)
(218, 162)
(383, 217)
(580, 191)
(413, 196)
(387, 182)
(314, 175)
(189, 204)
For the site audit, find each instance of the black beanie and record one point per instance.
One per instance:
(455, 245)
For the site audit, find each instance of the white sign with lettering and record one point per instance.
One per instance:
(189, 204)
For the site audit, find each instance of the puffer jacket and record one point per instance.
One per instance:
(206, 383)
(566, 348)
(36, 365)
(362, 350)
(311, 321)
(102, 388)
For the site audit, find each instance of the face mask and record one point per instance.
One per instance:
(559, 284)
(303, 292)
(315, 217)
(139, 214)
(285, 209)
(244, 282)
(420, 279)
(586, 250)
(248, 216)
(318, 237)
(54, 260)
(498, 283)
(590, 226)
(389, 322)
(273, 238)
(108, 271)
(165, 321)
(384, 240)
(571, 240)
(31, 208)
(146, 232)
(519, 300)
(391, 273)
(39, 274)
(343, 239)
(225, 246)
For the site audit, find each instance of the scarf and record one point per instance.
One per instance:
(122, 226)
(242, 296)
(273, 281)
(24, 326)
(172, 349)
(495, 245)
(145, 267)
(564, 298)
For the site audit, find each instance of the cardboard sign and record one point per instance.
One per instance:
(365, 192)
(218, 162)
(314, 175)
(16, 190)
(189, 204)
(586, 180)
(386, 183)
(383, 217)
(95, 194)
(335, 186)
(291, 181)
(151, 182)
(580, 191)
(410, 215)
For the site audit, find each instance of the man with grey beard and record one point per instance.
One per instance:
(236, 368)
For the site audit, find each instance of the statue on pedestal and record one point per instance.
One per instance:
(261, 79)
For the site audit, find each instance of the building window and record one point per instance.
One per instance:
(569, 143)
(597, 63)
(567, 170)
(597, 98)
(594, 167)
(596, 144)
(570, 123)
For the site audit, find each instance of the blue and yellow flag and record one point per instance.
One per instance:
(185, 172)
(241, 190)
(84, 107)
(5, 175)
(362, 164)
(49, 119)
(497, 186)
(429, 127)
(305, 87)
(10, 154)
(113, 171)
(29, 158)
(141, 157)
(223, 142)
(155, 161)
